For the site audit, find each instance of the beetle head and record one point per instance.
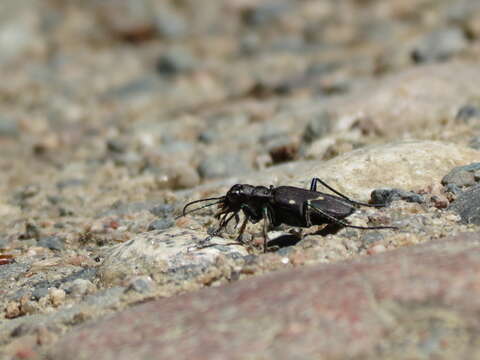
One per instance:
(241, 194)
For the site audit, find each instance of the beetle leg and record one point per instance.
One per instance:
(306, 211)
(266, 225)
(242, 230)
(313, 187)
(343, 223)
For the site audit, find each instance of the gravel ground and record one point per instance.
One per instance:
(115, 113)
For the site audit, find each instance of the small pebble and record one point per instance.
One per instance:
(440, 202)
(475, 143)
(57, 296)
(467, 113)
(140, 284)
(317, 127)
(12, 310)
(439, 45)
(52, 243)
(30, 307)
(454, 189)
(386, 196)
(162, 210)
(39, 293)
(160, 224)
(176, 61)
(80, 287)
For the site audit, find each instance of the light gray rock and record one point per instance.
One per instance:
(409, 165)
(169, 255)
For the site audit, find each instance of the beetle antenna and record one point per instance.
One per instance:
(196, 209)
(185, 212)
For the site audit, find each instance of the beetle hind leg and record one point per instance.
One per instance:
(313, 187)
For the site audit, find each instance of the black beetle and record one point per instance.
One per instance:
(283, 205)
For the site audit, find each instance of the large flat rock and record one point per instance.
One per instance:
(416, 302)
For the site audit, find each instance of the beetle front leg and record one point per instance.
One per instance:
(242, 230)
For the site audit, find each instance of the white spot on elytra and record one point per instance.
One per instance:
(291, 202)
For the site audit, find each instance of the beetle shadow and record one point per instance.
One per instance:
(330, 229)
(284, 240)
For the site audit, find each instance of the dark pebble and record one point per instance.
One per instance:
(283, 152)
(223, 165)
(65, 212)
(468, 112)
(31, 232)
(175, 61)
(386, 196)
(467, 205)
(317, 127)
(280, 147)
(461, 176)
(160, 224)
(52, 243)
(439, 45)
(117, 146)
(208, 136)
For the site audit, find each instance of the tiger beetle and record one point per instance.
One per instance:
(287, 205)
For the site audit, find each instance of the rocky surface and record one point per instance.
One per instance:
(407, 303)
(114, 114)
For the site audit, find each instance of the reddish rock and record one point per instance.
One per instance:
(420, 301)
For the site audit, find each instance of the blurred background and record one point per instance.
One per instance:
(102, 100)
